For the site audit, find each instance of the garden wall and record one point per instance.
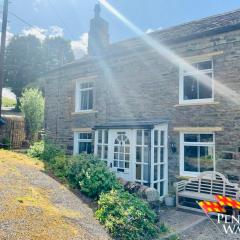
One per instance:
(13, 132)
(148, 194)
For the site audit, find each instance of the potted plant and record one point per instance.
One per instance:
(170, 197)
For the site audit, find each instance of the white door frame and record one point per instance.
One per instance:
(130, 133)
(131, 174)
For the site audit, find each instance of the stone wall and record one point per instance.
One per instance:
(150, 195)
(140, 84)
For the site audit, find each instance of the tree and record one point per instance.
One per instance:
(27, 58)
(32, 106)
(24, 62)
(57, 52)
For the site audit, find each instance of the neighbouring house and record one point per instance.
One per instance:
(156, 107)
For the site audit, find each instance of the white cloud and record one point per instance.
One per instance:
(42, 33)
(80, 46)
(150, 30)
(9, 34)
(9, 37)
(55, 31)
(39, 33)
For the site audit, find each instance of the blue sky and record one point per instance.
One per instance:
(72, 16)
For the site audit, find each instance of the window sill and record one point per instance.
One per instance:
(195, 104)
(84, 112)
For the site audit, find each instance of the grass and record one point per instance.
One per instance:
(8, 102)
(29, 208)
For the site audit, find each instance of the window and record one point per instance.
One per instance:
(121, 153)
(160, 160)
(143, 157)
(83, 142)
(84, 96)
(196, 85)
(102, 144)
(197, 153)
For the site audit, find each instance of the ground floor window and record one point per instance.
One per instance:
(136, 155)
(197, 153)
(102, 144)
(83, 142)
(160, 160)
(142, 156)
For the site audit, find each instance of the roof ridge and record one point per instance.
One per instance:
(196, 20)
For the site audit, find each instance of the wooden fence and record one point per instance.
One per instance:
(13, 132)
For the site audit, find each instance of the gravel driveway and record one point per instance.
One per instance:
(35, 206)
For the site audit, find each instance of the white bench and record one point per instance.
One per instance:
(204, 187)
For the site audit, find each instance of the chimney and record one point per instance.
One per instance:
(98, 37)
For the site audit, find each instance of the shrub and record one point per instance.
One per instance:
(45, 151)
(58, 166)
(32, 106)
(126, 217)
(77, 167)
(98, 179)
(5, 144)
(51, 151)
(36, 150)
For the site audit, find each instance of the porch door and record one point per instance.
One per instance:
(121, 153)
(159, 170)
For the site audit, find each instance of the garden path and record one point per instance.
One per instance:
(35, 206)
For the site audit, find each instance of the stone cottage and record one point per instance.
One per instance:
(154, 108)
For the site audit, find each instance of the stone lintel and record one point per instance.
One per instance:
(81, 129)
(203, 56)
(198, 129)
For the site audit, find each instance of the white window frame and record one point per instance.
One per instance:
(143, 163)
(77, 141)
(101, 145)
(183, 144)
(158, 181)
(182, 74)
(124, 146)
(78, 97)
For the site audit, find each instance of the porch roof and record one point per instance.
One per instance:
(130, 124)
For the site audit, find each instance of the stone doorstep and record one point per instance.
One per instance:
(179, 221)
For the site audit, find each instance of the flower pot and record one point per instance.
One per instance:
(169, 201)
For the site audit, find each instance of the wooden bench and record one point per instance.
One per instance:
(204, 187)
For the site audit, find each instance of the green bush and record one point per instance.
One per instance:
(77, 167)
(5, 144)
(98, 179)
(32, 106)
(51, 151)
(36, 150)
(58, 166)
(126, 217)
(45, 151)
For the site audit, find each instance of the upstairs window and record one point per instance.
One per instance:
(196, 84)
(84, 96)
